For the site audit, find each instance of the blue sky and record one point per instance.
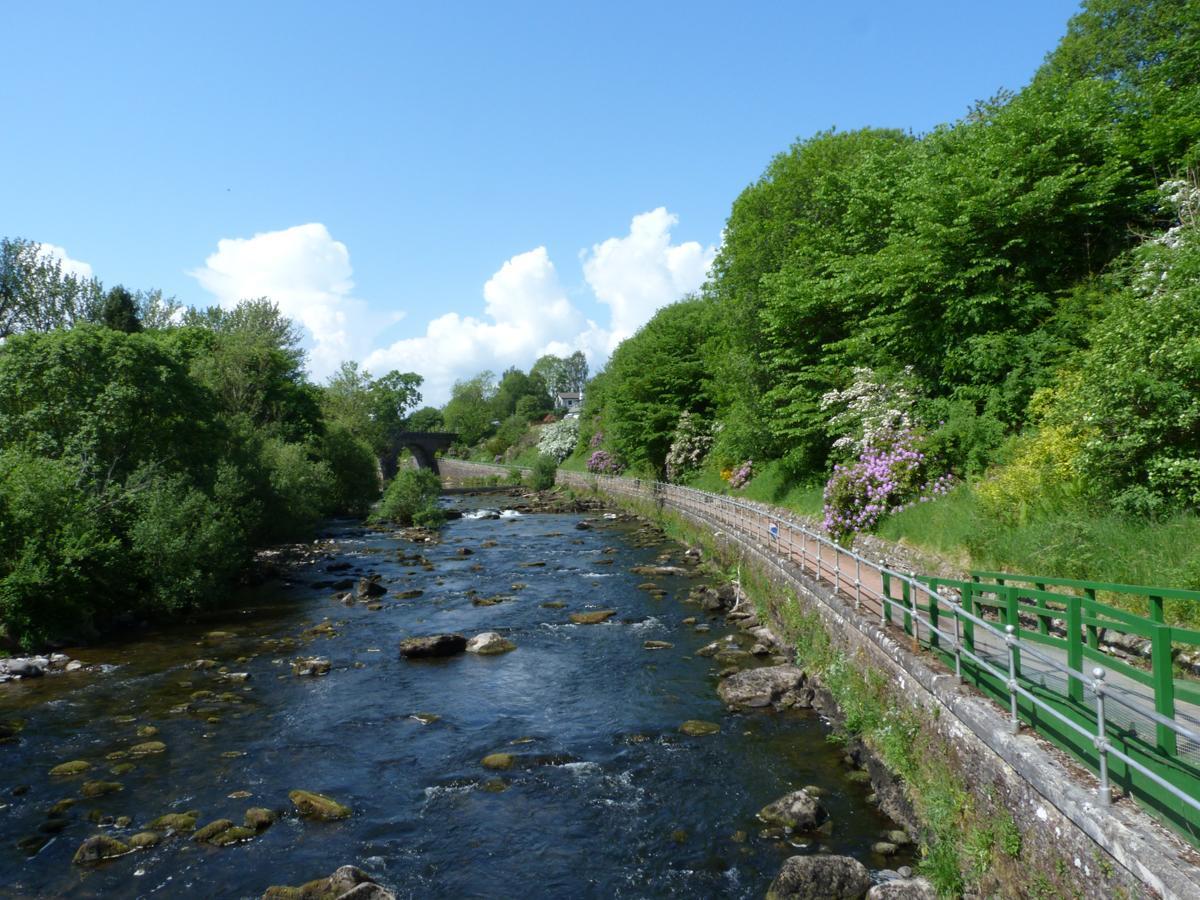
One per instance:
(451, 187)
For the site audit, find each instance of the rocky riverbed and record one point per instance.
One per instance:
(537, 704)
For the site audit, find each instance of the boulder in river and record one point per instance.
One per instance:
(74, 767)
(94, 789)
(311, 665)
(498, 761)
(593, 618)
(798, 810)
(820, 877)
(432, 645)
(658, 570)
(698, 728)
(147, 748)
(97, 849)
(317, 806)
(185, 821)
(657, 645)
(259, 819)
(903, 889)
(489, 644)
(211, 830)
(767, 686)
(144, 839)
(370, 587)
(347, 883)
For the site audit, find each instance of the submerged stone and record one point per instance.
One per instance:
(74, 767)
(593, 618)
(498, 761)
(698, 728)
(433, 645)
(489, 643)
(260, 819)
(99, 848)
(211, 830)
(184, 822)
(317, 806)
(93, 789)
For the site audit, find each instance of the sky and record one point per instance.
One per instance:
(451, 187)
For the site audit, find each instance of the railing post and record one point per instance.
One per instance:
(1012, 613)
(885, 609)
(1074, 647)
(957, 645)
(968, 604)
(1010, 638)
(1105, 795)
(1164, 685)
(935, 614)
(857, 583)
(1093, 637)
(1157, 613)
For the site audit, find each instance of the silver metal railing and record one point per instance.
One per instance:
(823, 558)
(811, 545)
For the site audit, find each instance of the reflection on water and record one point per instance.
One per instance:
(605, 797)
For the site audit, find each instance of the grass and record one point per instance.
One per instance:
(1073, 542)
(769, 485)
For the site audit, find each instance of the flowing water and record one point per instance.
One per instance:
(607, 797)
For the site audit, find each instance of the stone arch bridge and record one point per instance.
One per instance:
(423, 445)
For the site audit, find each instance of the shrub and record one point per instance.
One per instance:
(601, 462)
(741, 476)
(690, 444)
(545, 468)
(558, 440)
(412, 494)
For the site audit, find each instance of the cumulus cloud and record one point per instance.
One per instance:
(527, 308)
(639, 273)
(529, 314)
(307, 273)
(69, 266)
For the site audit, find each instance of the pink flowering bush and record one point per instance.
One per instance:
(597, 440)
(742, 474)
(889, 475)
(601, 462)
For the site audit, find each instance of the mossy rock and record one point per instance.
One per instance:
(122, 768)
(62, 806)
(698, 728)
(259, 818)
(144, 839)
(593, 618)
(317, 806)
(495, 786)
(184, 822)
(238, 834)
(211, 830)
(498, 761)
(93, 789)
(99, 848)
(657, 645)
(148, 748)
(74, 767)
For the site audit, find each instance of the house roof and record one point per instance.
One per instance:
(568, 395)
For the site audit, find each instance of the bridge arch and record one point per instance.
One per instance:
(423, 445)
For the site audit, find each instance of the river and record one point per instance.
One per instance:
(607, 797)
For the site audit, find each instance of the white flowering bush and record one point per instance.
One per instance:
(558, 439)
(690, 443)
(869, 412)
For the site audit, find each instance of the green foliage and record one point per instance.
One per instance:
(469, 412)
(411, 499)
(354, 467)
(427, 418)
(119, 311)
(545, 469)
(37, 295)
(651, 379)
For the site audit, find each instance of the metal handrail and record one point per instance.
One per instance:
(1098, 738)
(912, 611)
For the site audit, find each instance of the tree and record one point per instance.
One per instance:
(119, 311)
(470, 411)
(427, 418)
(35, 293)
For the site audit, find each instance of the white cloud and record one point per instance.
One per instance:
(69, 266)
(528, 310)
(307, 273)
(529, 314)
(638, 274)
